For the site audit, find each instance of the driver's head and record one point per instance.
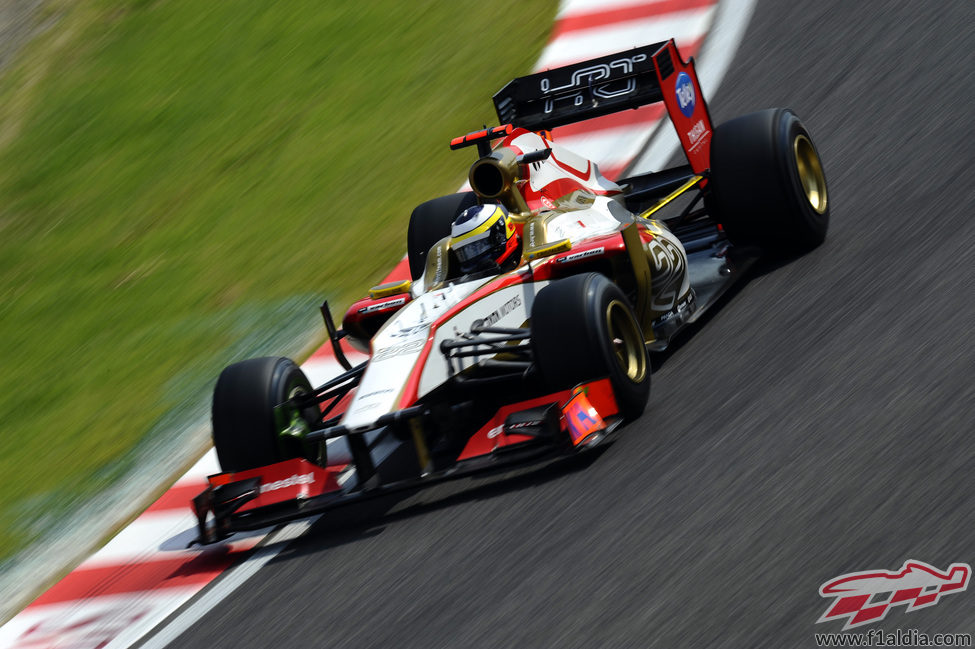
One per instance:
(483, 237)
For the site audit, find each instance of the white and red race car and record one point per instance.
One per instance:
(549, 354)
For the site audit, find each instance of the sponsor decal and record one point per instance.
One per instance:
(531, 233)
(496, 315)
(684, 90)
(494, 432)
(409, 332)
(580, 255)
(526, 424)
(867, 596)
(293, 481)
(438, 273)
(398, 350)
(668, 270)
(697, 131)
(365, 407)
(547, 203)
(388, 304)
(412, 325)
(581, 418)
(581, 199)
(375, 392)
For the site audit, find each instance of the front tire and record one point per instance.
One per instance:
(767, 182)
(245, 429)
(583, 328)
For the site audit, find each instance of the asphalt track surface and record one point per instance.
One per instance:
(819, 423)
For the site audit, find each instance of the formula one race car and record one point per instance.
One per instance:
(524, 329)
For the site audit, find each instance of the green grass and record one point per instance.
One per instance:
(181, 182)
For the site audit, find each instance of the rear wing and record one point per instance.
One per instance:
(609, 84)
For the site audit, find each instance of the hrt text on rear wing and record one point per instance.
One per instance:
(613, 83)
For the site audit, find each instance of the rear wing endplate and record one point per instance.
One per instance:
(609, 84)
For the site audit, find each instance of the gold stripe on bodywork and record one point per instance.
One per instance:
(641, 274)
(422, 454)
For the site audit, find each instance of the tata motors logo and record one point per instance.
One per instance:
(865, 597)
(684, 90)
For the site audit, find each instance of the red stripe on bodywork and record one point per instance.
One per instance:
(582, 175)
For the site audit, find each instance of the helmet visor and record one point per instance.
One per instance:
(473, 250)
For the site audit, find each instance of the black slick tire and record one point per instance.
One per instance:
(767, 184)
(583, 328)
(245, 433)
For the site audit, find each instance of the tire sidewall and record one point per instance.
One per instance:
(571, 339)
(756, 192)
(808, 225)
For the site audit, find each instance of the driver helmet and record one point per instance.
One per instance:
(483, 237)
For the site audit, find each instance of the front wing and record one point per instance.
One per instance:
(387, 460)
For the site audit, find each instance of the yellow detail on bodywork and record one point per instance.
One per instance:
(666, 200)
(390, 288)
(549, 249)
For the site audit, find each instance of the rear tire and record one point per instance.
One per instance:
(429, 223)
(245, 432)
(583, 328)
(767, 182)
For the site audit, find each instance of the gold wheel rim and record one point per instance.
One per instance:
(811, 174)
(627, 341)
